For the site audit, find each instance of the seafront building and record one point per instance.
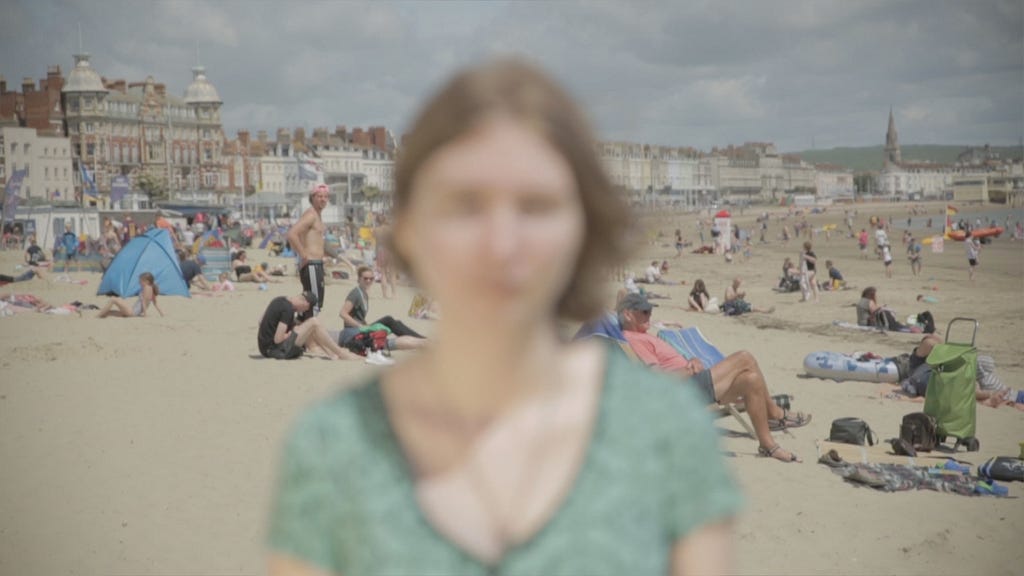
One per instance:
(978, 176)
(135, 129)
(174, 149)
(47, 159)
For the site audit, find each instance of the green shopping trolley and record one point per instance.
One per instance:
(950, 395)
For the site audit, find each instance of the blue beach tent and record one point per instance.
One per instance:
(152, 252)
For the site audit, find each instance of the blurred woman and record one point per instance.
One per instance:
(501, 448)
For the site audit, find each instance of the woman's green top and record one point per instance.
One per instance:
(345, 499)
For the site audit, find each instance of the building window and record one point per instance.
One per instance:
(27, 147)
(90, 149)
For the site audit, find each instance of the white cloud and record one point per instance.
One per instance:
(687, 73)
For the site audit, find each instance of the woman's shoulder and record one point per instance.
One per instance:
(338, 419)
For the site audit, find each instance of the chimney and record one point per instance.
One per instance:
(3, 84)
(300, 135)
(27, 85)
(243, 137)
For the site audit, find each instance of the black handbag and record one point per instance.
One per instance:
(852, 431)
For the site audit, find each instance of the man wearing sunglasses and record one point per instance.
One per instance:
(737, 377)
(357, 307)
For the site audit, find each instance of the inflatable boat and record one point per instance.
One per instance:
(839, 367)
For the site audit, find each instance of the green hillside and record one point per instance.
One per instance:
(869, 158)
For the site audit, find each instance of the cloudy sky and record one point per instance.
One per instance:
(689, 73)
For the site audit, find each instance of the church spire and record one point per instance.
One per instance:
(892, 143)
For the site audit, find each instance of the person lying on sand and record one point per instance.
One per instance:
(736, 377)
(989, 389)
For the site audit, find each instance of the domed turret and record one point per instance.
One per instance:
(83, 78)
(200, 91)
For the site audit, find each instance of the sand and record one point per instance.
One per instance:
(149, 446)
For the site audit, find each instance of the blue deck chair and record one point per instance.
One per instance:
(691, 344)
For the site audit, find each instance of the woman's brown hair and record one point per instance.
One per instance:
(514, 89)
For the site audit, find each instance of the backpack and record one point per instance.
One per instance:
(926, 321)
(885, 320)
(918, 430)
(852, 431)
(366, 342)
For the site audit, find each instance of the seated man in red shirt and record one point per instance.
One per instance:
(736, 377)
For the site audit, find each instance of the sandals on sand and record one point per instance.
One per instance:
(788, 420)
(770, 453)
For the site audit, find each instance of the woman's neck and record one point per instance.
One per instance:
(475, 376)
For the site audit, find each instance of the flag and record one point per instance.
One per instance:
(950, 210)
(309, 170)
(119, 187)
(88, 183)
(11, 191)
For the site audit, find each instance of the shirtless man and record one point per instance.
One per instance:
(306, 237)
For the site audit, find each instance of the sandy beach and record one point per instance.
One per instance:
(149, 446)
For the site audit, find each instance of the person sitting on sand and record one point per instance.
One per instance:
(34, 255)
(699, 297)
(279, 337)
(223, 283)
(357, 306)
(736, 377)
(735, 300)
(652, 274)
(147, 296)
(192, 272)
(870, 313)
(835, 277)
(629, 287)
(244, 272)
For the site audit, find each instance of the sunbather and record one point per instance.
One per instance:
(280, 337)
(871, 313)
(357, 306)
(735, 300)
(736, 377)
(989, 390)
(699, 298)
(245, 273)
(147, 296)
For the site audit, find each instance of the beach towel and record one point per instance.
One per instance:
(875, 329)
(691, 343)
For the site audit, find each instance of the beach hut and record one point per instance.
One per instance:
(724, 221)
(151, 252)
